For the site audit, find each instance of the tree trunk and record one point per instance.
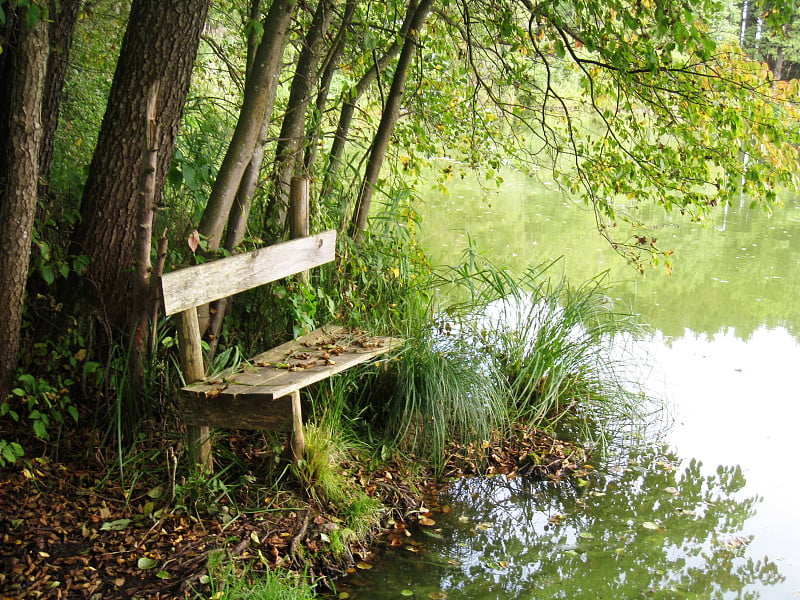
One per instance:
(389, 117)
(777, 70)
(61, 31)
(350, 100)
(290, 142)
(19, 179)
(331, 65)
(259, 98)
(240, 210)
(160, 43)
(142, 297)
(232, 196)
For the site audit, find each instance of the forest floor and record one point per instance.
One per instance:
(73, 528)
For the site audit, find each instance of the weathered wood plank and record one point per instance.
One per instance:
(276, 374)
(200, 284)
(242, 412)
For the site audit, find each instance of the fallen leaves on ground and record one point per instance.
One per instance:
(71, 529)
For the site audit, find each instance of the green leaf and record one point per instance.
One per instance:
(162, 575)
(146, 563)
(80, 264)
(11, 451)
(48, 274)
(40, 429)
(117, 525)
(189, 177)
(33, 15)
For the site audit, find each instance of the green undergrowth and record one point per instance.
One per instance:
(228, 581)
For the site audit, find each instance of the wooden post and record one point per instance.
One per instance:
(191, 360)
(299, 226)
(299, 222)
(298, 441)
(298, 207)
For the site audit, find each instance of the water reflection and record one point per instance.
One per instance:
(744, 277)
(727, 326)
(654, 528)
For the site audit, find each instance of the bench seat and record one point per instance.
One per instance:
(257, 396)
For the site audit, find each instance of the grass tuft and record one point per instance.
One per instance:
(563, 351)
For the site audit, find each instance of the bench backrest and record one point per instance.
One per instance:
(197, 285)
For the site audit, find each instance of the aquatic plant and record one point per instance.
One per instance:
(563, 351)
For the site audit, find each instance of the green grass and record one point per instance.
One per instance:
(561, 349)
(323, 475)
(483, 349)
(228, 581)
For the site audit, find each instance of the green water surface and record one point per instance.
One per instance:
(711, 511)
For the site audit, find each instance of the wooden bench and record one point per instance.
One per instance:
(265, 392)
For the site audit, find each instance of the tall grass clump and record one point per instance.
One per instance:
(561, 350)
(322, 474)
(443, 390)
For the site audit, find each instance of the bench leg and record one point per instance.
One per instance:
(200, 447)
(298, 441)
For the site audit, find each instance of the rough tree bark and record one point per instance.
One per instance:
(23, 84)
(391, 112)
(160, 43)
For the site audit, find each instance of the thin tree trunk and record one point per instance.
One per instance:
(331, 64)
(144, 241)
(777, 71)
(61, 31)
(232, 196)
(290, 142)
(19, 184)
(389, 117)
(350, 99)
(259, 98)
(240, 210)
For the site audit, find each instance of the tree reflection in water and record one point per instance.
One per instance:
(654, 528)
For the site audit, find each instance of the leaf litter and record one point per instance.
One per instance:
(71, 530)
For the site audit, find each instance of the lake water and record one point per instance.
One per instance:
(711, 513)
